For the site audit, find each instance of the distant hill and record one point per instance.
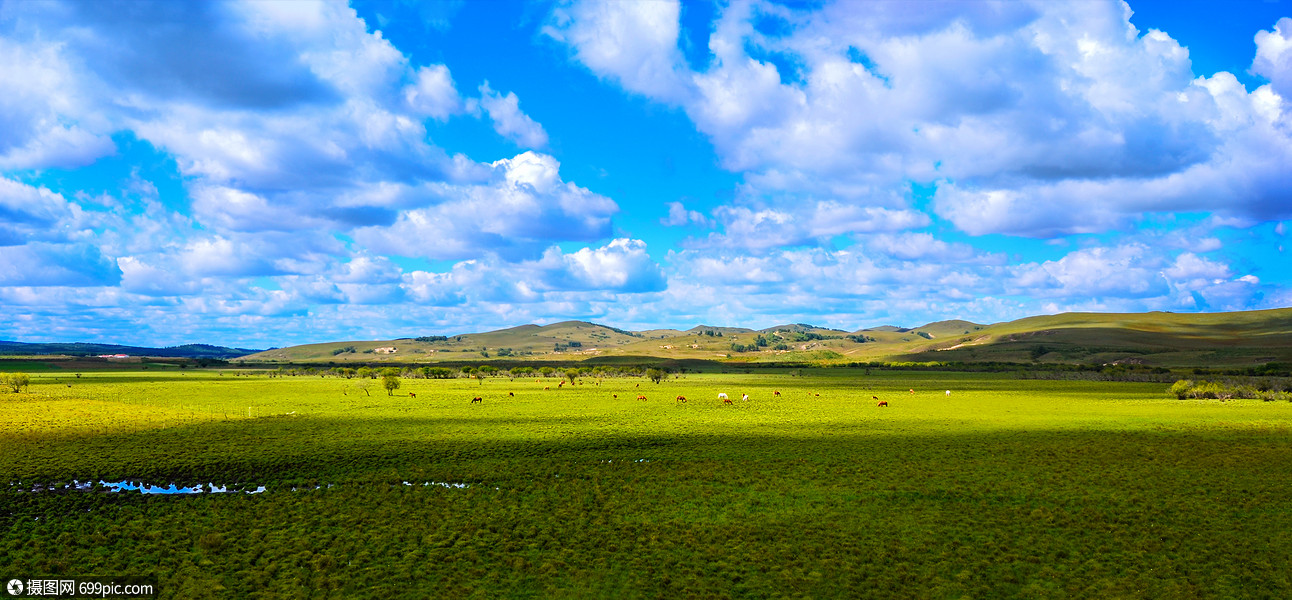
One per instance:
(86, 349)
(1156, 339)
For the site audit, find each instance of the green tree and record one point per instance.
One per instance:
(439, 372)
(365, 372)
(15, 381)
(391, 383)
(571, 374)
(655, 374)
(546, 371)
(484, 371)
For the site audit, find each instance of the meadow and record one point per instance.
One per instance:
(1004, 488)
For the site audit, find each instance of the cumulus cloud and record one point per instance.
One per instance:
(41, 264)
(633, 43)
(602, 274)
(432, 93)
(1122, 271)
(28, 212)
(1038, 119)
(1274, 57)
(509, 121)
(523, 206)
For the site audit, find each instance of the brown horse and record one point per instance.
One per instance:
(681, 399)
(412, 395)
(641, 397)
(882, 403)
(777, 393)
(477, 399)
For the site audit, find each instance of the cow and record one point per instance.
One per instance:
(641, 397)
(722, 395)
(477, 399)
(412, 395)
(882, 403)
(777, 393)
(681, 399)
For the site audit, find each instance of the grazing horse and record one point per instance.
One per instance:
(882, 403)
(546, 388)
(777, 393)
(477, 399)
(744, 398)
(512, 394)
(724, 398)
(412, 395)
(681, 399)
(641, 397)
(874, 397)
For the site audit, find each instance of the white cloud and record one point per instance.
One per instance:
(622, 265)
(1038, 119)
(432, 93)
(1128, 271)
(1274, 57)
(523, 207)
(38, 93)
(804, 223)
(1193, 270)
(634, 43)
(679, 216)
(41, 264)
(509, 121)
(28, 213)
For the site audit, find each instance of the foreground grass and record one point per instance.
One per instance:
(1005, 488)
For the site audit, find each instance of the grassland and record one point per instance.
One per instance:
(1005, 488)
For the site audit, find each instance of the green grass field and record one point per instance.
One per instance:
(1005, 488)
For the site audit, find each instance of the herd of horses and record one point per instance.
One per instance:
(722, 396)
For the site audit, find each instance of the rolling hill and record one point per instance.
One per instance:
(1233, 339)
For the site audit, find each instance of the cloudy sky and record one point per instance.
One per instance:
(272, 173)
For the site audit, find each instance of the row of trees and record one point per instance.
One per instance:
(1265, 389)
(476, 372)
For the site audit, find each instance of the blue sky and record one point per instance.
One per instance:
(274, 173)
